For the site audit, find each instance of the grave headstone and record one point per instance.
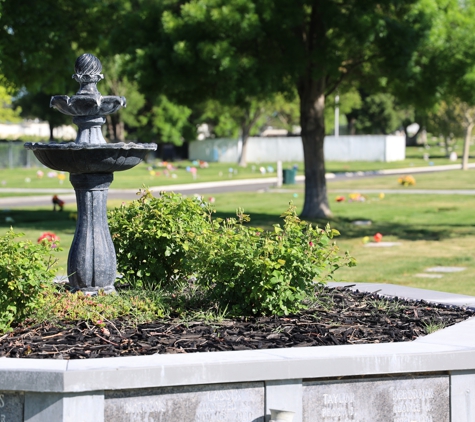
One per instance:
(11, 407)
(386, 400)
(216, 403)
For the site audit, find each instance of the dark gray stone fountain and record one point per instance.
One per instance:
(91, 163)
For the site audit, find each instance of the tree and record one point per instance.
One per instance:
(246, 120)
(231, 50)
(444, 121)
(37, 106)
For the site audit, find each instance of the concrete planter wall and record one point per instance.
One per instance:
(261, 149)
(430, 379)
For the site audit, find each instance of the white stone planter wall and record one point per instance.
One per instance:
(430, 379)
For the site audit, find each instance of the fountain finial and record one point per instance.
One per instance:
(88, 73)
(88, 64)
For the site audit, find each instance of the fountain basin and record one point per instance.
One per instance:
(90, 158)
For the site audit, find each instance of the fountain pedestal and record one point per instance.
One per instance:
(92, 261)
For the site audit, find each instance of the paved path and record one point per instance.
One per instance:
(411, 192)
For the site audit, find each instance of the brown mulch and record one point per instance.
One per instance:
(352, 318)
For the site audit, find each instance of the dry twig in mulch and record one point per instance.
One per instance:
(342, 317)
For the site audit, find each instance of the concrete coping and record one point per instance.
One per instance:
(450, 349)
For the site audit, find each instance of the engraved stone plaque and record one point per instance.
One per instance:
(421, 399)
(215, 403)
(11, 407)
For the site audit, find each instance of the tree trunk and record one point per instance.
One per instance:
(51, 128)
(110, 128)
(245, 136)
(446, 145)
(120, 131)
(466, 145)
(312, 105)
(351, 124)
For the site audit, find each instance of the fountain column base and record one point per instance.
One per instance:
(92, 262)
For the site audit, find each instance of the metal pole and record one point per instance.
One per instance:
(279, 174)
(10, 155)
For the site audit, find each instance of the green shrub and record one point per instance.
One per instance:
(247, 270)
(152, 238)
(253, 271)
(26, 270)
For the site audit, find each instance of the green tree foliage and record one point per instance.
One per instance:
(40, 41)
(7, 112)
(236, 51)
(444, 120)
(380, 113)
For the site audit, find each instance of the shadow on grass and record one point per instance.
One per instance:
(45, 220)
(349, 230)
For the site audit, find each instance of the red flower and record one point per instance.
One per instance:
(310, 243)
(48, 237)
(378, 237)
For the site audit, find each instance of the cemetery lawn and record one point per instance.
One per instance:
(141, 175)
(431, 229)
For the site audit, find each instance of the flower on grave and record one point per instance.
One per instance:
(365, 240)
(381, 195)
(407, 180)
(39, 174)
(357, 197)
(49, 237)
(378, 237)
(339, 198)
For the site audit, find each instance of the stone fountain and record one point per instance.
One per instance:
(91, 163)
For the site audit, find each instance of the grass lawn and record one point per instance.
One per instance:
(155, 174)
(432, 229)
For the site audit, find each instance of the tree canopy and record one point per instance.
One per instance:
(235, 51)
(241, 53)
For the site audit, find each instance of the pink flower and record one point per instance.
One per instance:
(310, 243)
